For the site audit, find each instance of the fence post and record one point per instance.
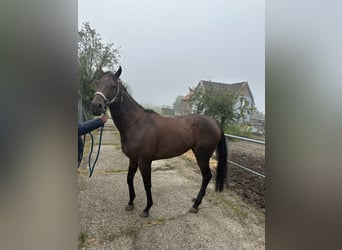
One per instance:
(228, 168)
(80, 110)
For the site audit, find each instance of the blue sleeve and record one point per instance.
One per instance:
(88, 126)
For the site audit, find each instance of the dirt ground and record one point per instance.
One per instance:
(249, 186)
(224, 221)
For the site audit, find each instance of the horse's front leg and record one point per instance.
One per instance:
(145, 169)
(132, 169)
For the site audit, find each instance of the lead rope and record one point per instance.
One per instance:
(91, 168)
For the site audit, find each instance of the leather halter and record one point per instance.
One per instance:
(105, 98)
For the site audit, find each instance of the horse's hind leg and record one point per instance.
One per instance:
(203, 163)
(145, 169)
(133, 166)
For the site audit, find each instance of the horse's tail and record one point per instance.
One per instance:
(221, 170)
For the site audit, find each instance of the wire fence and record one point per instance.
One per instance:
(247, 140)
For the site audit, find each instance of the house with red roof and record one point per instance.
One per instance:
(240, 91)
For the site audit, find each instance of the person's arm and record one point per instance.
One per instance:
(86, 127)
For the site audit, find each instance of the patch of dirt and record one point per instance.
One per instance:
(249, 186)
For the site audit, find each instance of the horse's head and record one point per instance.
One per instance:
(107, 91)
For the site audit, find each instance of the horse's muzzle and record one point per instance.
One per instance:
(97, 108)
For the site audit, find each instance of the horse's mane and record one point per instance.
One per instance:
(112, 75)
(149, 110)
(146, 110)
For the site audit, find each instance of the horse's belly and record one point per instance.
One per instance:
(167, 151)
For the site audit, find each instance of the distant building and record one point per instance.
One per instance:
(167, 112)
(257, 120)
(240, 91)
(185, 103)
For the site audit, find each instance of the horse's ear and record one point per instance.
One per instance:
(118, 72)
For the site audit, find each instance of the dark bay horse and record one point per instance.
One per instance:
(147, 136)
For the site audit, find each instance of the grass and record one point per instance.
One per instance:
(235, 207)
(238, 130)
(157, 221)
(82, 237)
(116, 171)
(231, 207)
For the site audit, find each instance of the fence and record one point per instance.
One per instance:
(248, 140)
(80, 110)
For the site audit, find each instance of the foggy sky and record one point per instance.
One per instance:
(168, 46)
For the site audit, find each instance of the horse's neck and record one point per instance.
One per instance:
(126, 112)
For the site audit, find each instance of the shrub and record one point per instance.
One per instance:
(239, 130)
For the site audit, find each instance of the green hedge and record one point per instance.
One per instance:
(239, 130)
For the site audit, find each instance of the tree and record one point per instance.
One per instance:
(243, 110)
(217, 105)
(93, 55)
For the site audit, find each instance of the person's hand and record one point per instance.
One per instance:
(104, 118)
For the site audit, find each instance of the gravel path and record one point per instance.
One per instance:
(224, 220)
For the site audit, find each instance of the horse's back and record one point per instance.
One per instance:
(204, 129)
(201, 124)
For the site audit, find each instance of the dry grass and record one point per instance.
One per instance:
(190, 155)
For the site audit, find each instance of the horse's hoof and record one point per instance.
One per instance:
(143, 214)
(193, 210)
(129, 207)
